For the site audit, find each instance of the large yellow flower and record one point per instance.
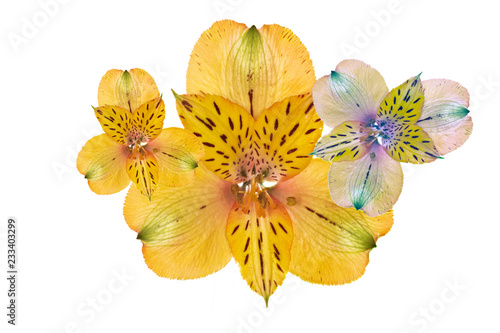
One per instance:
(258, 196)
(134, 146)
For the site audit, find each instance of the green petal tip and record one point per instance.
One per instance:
(177, 96)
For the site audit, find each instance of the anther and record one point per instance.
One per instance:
(264, 202)
(239, 198)
(291, 201)
(235, 189)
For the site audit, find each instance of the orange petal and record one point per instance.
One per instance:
(254, 68)
(445, 115)
(261, 246)
(331, 244)
(225, 130)
(126, 89)
(102, 161)
(178, 153)
(285, 135)
(115, 121)
(142, 168)
(183, 229)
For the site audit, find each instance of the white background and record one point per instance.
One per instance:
(72, 242)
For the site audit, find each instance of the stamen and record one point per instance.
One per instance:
(254, 191)
(370, 124)
(239, 198)
(381, 131)
(259, 179)
(369, 138)
(235, 188)
(263, 200)
(136, 139)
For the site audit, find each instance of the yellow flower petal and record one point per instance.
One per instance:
(178, 153)
(445, 115)
(115, 121)
(285, 135)
(148, 119)
(410, 143)
(142, 168)
(102, 161)
(331, 244)
(261, 246)
(225, 130)
(126, 89)
(345, 142)
(183, 229)
(254, 68)
(372, 183)
(403, 104)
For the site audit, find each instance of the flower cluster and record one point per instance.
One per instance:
(240, 180)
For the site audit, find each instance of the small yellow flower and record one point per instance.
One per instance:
(258, 196)
(135, 146)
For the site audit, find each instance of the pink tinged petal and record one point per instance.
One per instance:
(372, 183)
(352, 92)
(445, 115)
(345, 143)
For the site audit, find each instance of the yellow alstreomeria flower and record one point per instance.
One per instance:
(374, 130)
(135, 146)
(258, 196)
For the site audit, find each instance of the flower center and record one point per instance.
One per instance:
(253, 191)
(136, 140)
(382, 131)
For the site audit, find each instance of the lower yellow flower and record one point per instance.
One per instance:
(258, 197)
(135, 146)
